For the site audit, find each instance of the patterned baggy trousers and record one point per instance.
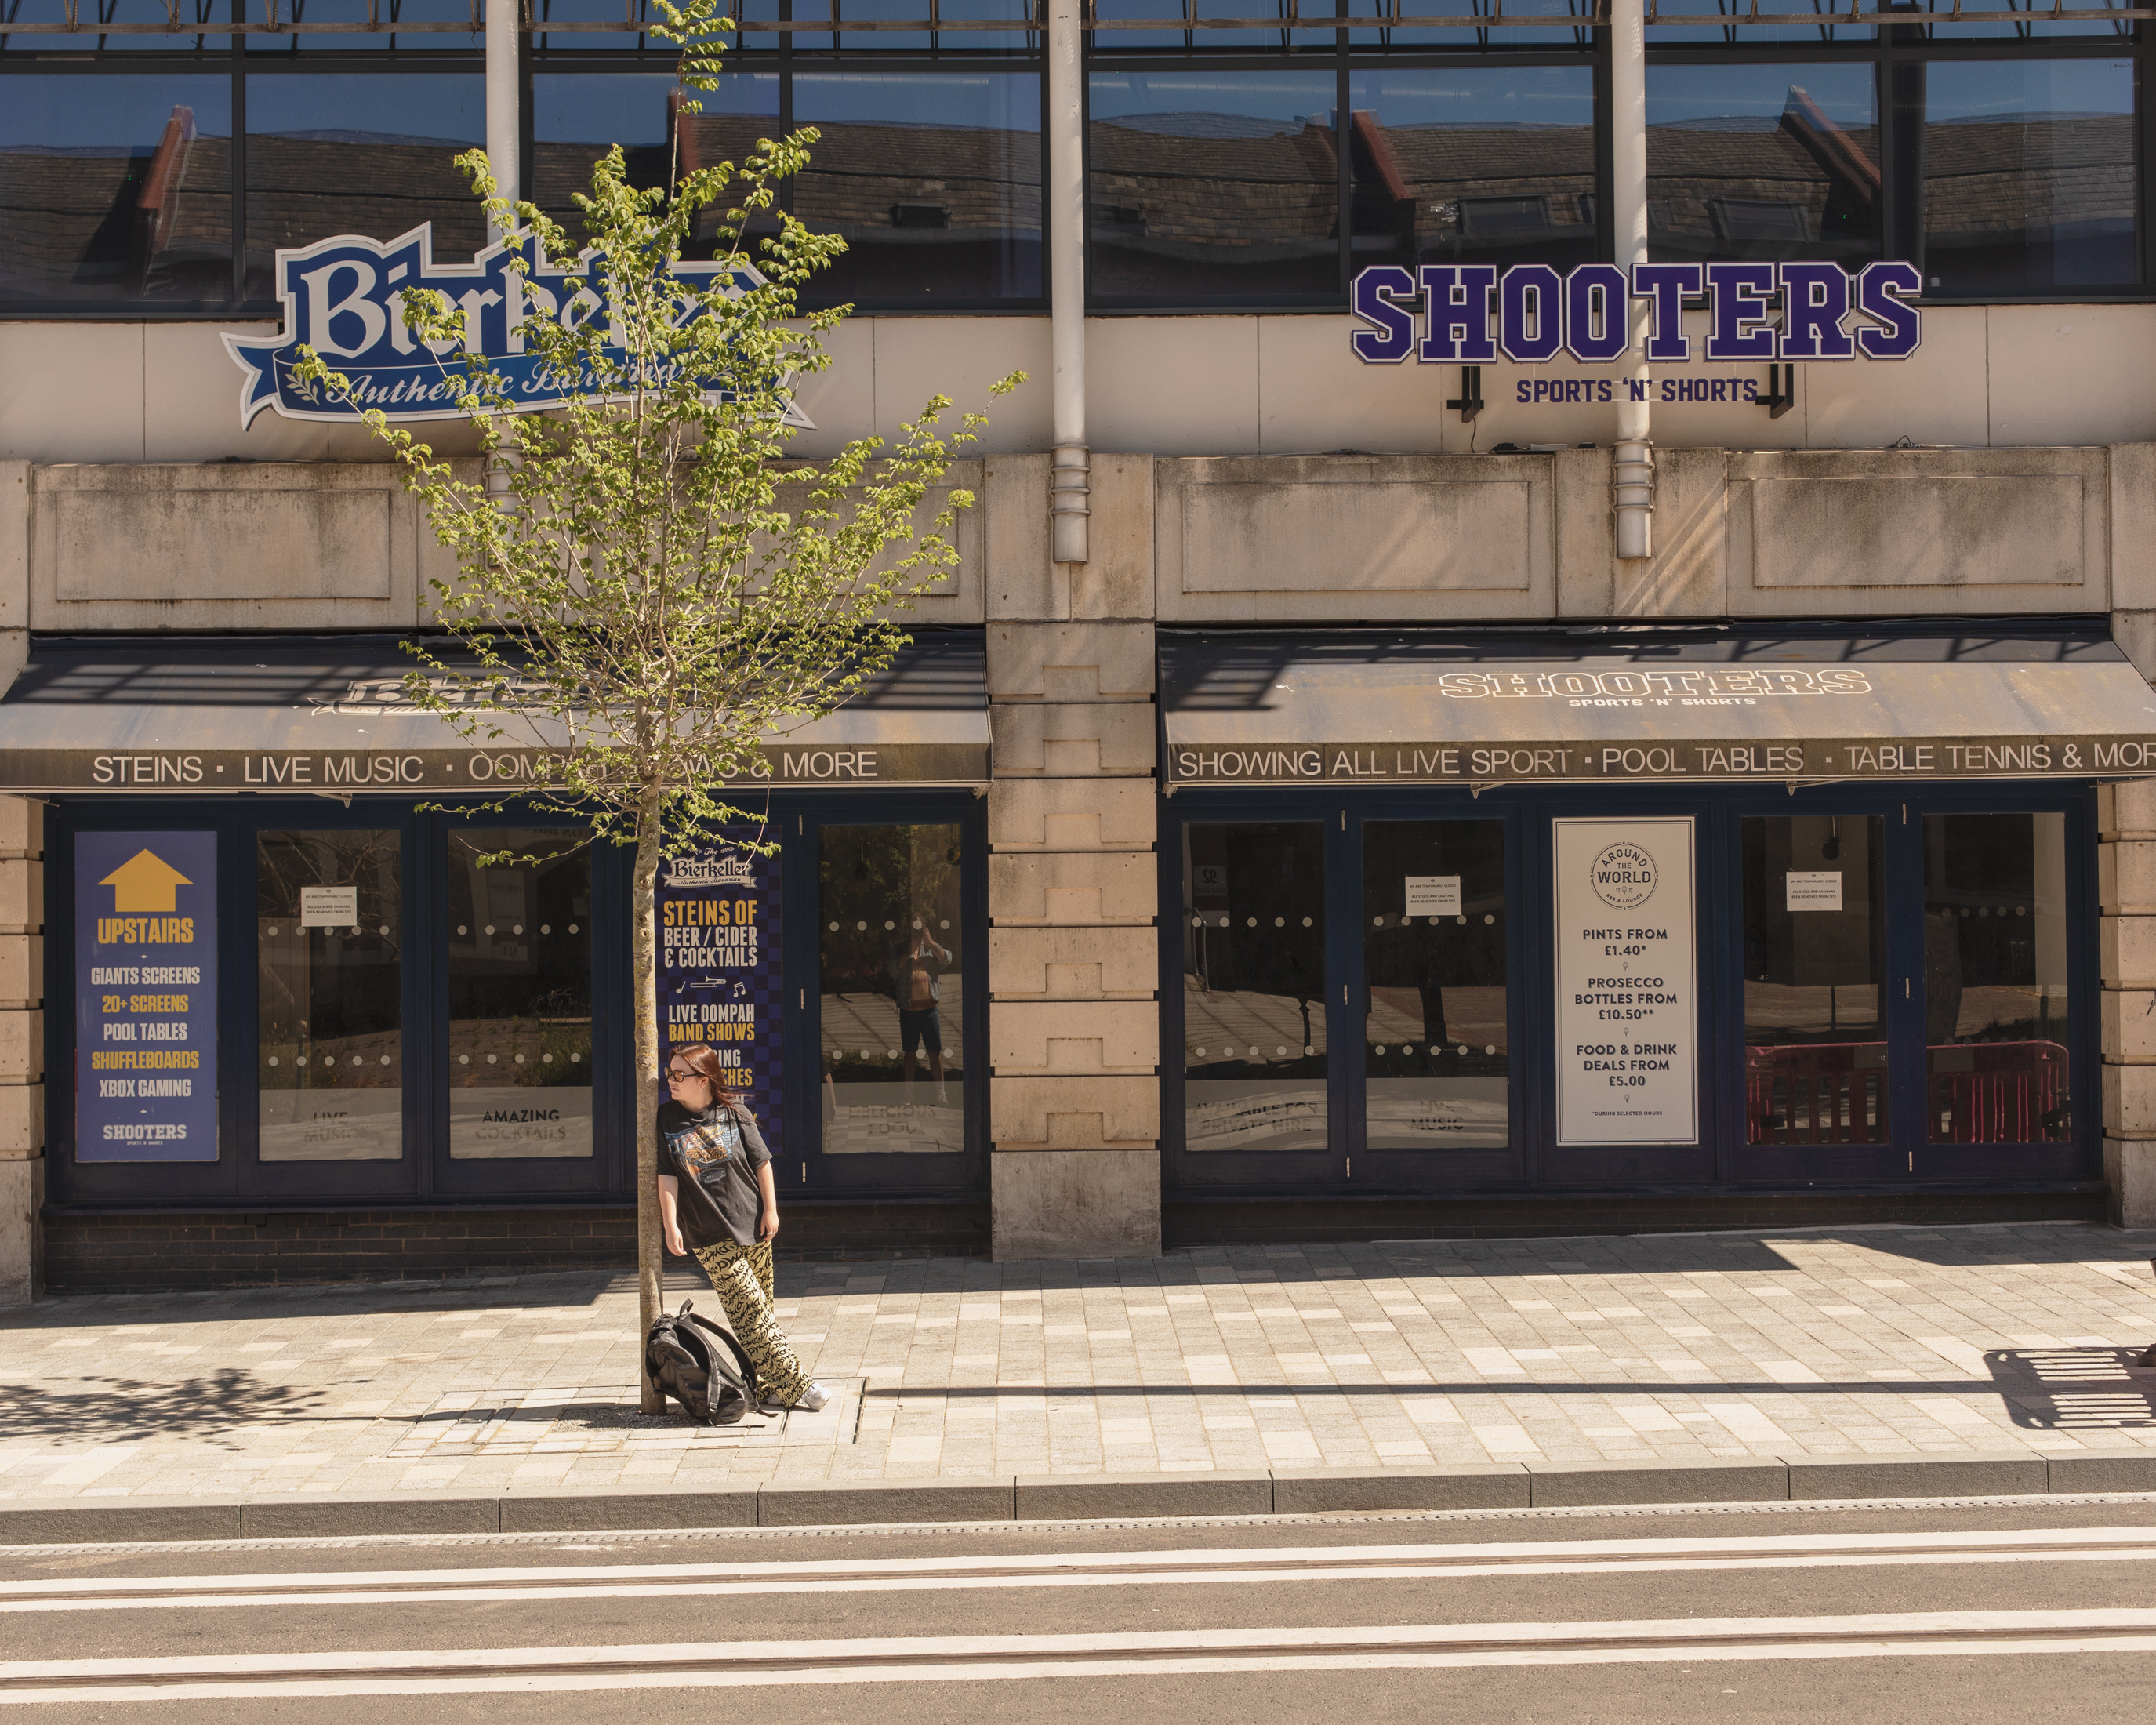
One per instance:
(743, 1277)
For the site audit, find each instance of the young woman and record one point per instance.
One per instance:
(717, 1200)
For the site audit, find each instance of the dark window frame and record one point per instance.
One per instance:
(426, 1176)
(1721, 1163)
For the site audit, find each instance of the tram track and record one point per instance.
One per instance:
(944, 1659)
(1235, 1567)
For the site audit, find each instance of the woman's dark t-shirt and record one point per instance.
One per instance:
(714, 1157)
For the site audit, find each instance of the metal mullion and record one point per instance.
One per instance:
(1605, 147)
(236, 56)
(1343, 144)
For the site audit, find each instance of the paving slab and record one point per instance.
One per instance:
(1446, 1362)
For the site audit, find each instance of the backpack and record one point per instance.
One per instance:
(701, 1367)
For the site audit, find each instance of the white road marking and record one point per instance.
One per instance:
(1352, 1563)
(945, 1659)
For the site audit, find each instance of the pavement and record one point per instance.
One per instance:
(1827, 1363)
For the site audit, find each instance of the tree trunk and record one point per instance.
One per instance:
(644, 949)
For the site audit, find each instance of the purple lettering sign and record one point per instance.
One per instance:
(719, 978)
(146, 997)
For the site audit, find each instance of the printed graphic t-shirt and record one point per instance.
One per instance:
(714, 1156)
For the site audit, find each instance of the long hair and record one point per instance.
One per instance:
(703, 1059)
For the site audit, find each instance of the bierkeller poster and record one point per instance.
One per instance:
(146, 997)
(719, 978)
(1627, 983)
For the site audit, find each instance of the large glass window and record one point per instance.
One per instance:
(1213, 185)
(1436, 1044)
(1763, 161)
(933, 178)
(2029, 171)
(328, 995)
(1996, 1016)
(1254, 986)
(115, 190)
(1469, 164)
(576, 119)
(891, 989)
(519, 936)
(1815, 934)
(370, 154)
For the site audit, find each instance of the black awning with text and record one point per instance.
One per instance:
(206, 714)
(1618, 707)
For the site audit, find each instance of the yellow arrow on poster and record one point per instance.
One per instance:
(146, 883)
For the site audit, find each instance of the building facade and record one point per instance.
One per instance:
(1378, 769)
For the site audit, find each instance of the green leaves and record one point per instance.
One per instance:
(667, 585)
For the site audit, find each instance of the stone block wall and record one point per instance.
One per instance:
(22, 1048)
(1074, 1020)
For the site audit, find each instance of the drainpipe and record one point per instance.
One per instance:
(1069, 464)
(504, 134)
(1632, 464)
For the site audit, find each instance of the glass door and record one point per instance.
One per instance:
(1253, 1006)
(891, 1000)
(330, 1066)
(519, 1062)
(1437, 1109)
(2001, 1041)
(1816, 986)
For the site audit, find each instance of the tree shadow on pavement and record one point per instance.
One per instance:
(119, 1409)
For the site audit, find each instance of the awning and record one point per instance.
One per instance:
(196, 715)
(1611, 705)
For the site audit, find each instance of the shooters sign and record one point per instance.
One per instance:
(1470, 314)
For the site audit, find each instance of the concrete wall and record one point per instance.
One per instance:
(1221, 540)
(1994, 376)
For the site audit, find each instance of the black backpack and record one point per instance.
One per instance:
(701, 1367)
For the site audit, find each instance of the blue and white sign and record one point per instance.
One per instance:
(146, 997)
(1470, 314)
(345, 298)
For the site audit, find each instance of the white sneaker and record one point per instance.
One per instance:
(813, 1400)
(942, 1097)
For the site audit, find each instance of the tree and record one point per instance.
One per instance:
(649, 588)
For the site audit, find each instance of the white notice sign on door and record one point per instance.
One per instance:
(328, 907)
(1433, 895)
(1627, 981)
(1813, 889)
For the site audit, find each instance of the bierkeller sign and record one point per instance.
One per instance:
(345, 298)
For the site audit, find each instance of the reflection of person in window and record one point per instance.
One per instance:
(918, 970)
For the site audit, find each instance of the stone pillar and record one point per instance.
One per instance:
(21, 1049)
(2125, 867)
(2126, 878)
(1074, 956)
